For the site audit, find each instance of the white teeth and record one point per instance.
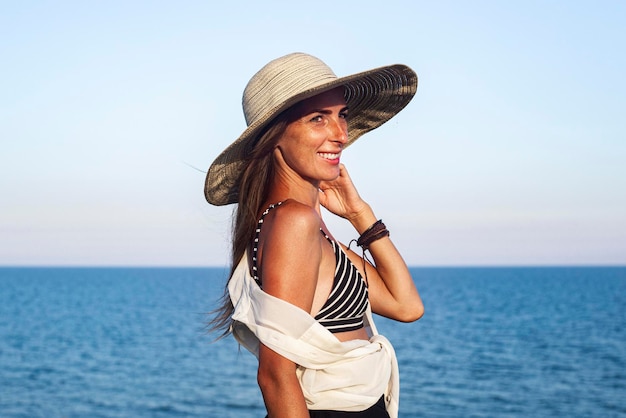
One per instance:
(328, 155)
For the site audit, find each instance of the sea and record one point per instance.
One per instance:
(132, 342)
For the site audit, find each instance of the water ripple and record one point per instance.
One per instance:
(493, 343)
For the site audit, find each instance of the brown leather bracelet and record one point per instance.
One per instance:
(375, 232)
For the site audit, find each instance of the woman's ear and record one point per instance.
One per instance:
(277, 155)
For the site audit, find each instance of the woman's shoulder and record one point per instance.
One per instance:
(294, 216)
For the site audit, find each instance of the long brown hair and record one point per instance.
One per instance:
(254, 186)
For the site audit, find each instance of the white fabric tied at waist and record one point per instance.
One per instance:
(345, 376)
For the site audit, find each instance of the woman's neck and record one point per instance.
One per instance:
(286, 187)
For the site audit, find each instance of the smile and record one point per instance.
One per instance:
(328, 155)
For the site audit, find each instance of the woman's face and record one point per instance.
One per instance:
(312, 143)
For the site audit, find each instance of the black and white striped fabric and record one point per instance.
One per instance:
(348, 300)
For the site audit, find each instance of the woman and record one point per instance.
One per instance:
(297, 299)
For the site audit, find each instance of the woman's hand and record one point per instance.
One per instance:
(341, 197)
(392, 291)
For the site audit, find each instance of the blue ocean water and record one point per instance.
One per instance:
(130, 342)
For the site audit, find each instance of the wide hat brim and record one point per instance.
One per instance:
(373, 97)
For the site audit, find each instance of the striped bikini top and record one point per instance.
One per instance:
(348, 299)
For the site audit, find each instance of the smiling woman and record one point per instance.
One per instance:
(296, 298)
(317, 132)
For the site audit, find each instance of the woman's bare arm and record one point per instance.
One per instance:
(289, 258)
(392, 291)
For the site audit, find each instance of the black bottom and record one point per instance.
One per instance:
(375, 411)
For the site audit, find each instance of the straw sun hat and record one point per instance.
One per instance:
(373, 97)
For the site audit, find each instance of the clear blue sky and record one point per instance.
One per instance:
(513, 151)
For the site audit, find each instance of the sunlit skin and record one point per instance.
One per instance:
(310, 149)
(297, 263)
(308, 154)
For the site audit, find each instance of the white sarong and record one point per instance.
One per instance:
(334, 375)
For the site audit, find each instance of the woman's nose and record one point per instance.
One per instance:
(340, 130)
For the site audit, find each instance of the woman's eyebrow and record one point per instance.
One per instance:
(327, 111)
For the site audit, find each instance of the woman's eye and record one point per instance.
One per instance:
(317, 118)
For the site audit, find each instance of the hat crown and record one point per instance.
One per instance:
(281, 80)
